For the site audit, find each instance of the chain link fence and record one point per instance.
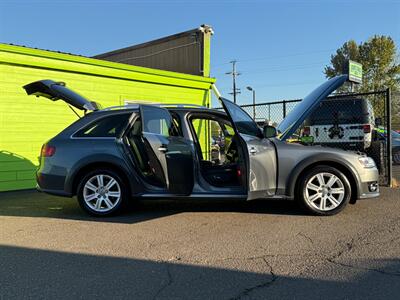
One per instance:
(354, 121)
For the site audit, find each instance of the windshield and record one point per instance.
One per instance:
(340, 111)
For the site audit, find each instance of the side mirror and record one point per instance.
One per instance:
(269, 131)
(378, 121)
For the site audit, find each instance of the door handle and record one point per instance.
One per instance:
(253, 150)
(162, 149)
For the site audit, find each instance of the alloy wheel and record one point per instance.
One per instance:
(102, 193)
(324, 191)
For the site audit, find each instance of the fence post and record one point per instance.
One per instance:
(389, 135)
(269, 114)
(284, 108)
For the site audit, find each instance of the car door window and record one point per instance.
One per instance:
(158, 121)
(243, 122)
(110, 126)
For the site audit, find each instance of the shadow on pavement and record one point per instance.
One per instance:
(35, 204)
(41, 274)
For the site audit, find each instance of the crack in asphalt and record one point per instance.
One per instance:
(347, 246)
(361, 238)
(364, 268)
(247, 291)
(197, 261)
(360, 241)
(169, 282)
(306, 237)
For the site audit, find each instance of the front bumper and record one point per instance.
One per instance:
(369, 184)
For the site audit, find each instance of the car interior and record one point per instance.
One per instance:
(143, 155)
(221, 161)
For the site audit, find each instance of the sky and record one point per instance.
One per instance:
(281, 47)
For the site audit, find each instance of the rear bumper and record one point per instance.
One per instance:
(61, 193)
(51, 184)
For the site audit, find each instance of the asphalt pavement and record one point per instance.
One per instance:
(50, 249)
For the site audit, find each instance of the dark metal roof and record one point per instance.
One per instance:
(154, 42)
(55, 51)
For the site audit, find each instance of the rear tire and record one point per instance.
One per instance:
(102, 192)
(323, 191)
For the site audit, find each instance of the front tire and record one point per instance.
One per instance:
(102, 192)
(324, 191)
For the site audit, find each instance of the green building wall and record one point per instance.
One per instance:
(27, 122)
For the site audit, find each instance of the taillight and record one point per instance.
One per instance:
(47, 151)
(306, 131)
(367, 128)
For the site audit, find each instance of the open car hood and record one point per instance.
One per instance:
(307, 106)
(56, 91)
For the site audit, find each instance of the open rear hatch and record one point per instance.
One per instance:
(58, 91)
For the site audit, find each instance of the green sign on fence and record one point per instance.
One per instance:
(355, 71)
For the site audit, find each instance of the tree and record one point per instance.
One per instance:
(378, 55)
(381, 70)
(349, 50)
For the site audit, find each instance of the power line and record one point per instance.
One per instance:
(276, 57)
(289, 55)
(276, 69)
(234, 74)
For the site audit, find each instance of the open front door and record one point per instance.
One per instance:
(260, 153)
(172, 154)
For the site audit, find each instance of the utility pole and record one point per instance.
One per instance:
(234, 74)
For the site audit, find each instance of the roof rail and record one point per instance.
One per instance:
(180, 105)
(136, 105)
(116, 107)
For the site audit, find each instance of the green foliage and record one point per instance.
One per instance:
(378, 55)
(381, 69)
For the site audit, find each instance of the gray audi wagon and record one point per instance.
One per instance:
(110, 156)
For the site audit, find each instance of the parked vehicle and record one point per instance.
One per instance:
(112, 155)
(382, 134)
(346, 123)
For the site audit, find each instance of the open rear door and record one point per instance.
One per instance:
(170, 152)
(58, 91)
(260, 153)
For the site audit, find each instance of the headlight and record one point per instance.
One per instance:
(367, 162)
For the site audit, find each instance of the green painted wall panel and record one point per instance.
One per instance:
(26, 122)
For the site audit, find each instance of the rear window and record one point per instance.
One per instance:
(343, 111)
(110, 126)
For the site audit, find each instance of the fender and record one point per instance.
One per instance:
(321, 158)
(99, 158)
